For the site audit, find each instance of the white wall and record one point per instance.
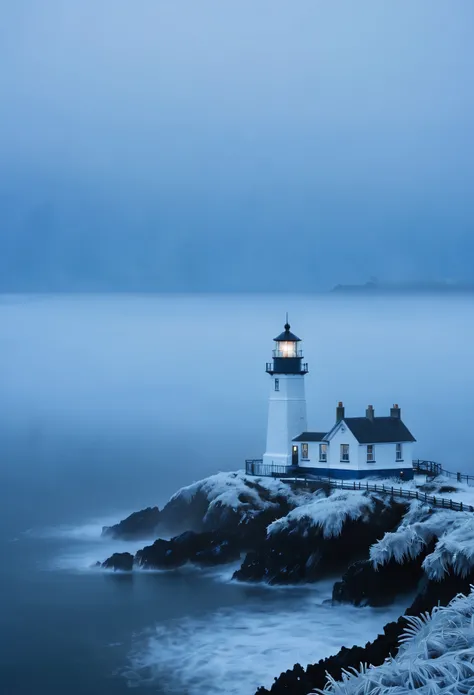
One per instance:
(334, 455)
(385, 456)
(313, 456)
(286, 417)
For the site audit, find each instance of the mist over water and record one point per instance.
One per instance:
(110, 403)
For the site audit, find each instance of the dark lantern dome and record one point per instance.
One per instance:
(287, 336)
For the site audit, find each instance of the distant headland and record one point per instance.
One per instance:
(375, 287)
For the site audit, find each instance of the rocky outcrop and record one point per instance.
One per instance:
(363, 584)
(301, 681)
(142, 524)
(208, 548)
(119, 561)
(301, 552)
(221, 502)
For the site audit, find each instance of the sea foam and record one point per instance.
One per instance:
(234, 650)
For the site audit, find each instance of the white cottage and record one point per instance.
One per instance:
(356, 447)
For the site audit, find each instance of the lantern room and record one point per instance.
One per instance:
(287, 355)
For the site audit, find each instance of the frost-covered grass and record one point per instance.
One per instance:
(454, 551)
(441, 487)
(452, 531)
(436, 656)
(328, 513)
(241, 492)
(419, 527)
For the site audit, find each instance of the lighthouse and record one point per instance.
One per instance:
(287, 402)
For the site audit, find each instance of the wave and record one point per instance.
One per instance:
(81, 546)
(89, 531)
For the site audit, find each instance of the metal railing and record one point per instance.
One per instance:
(300, 478)
(270, 369)
(393, 491)
(433, 468)
(268, 470)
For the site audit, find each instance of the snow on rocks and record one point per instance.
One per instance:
(436, 655)
(451, 532)
(454, 551)
(238, 492)
(220, 501)
(328, 513)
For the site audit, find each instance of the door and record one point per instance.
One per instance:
(294, 456)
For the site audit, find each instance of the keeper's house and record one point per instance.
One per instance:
(357, 447)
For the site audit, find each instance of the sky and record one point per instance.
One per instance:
(237, 146)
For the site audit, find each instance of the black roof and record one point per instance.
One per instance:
(310, 437)
(288, 335)
(379, 430)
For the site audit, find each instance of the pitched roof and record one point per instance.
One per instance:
(379, 430)
(288, 335)
(310, 437)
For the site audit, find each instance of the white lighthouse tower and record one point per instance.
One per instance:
(287, 404)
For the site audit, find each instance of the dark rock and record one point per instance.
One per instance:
(138, 525)
(182, 513)
(187, 510)
(208, 548)
(119, 561)
(300, 553)
(363, 584)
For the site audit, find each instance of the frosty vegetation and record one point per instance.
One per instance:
(436, 656)
(452, 532)
(328, 513)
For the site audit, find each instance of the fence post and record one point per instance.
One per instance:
(450, 504)
(354, 484)
(461, 505)
(459, 477)
(359, 484)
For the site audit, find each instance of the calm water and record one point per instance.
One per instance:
(108, 404)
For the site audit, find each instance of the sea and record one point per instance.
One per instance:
(110, 403)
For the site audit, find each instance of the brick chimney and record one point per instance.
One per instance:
(369, 413)
(340, 412)
(395, 412)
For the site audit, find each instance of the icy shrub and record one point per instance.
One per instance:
(454, 551)
(436, 655)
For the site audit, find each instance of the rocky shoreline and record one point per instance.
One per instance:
(379, 548)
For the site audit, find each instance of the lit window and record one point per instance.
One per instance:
(304, 451)
(345, 453)
(370, 453)
(277, 384)
(323, 453)
(399, 452)
(286, 348)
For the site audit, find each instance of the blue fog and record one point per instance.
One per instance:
(199, 146)
(110, 403)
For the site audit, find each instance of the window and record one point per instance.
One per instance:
(345, 452)
(277, 384)
(304, 451)
(370, 453)
(399, 452)
(323, 453)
